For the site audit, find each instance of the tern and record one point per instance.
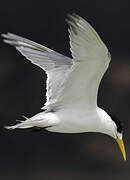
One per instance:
(72, 83)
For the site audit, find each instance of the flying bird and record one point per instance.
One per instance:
(72, 83)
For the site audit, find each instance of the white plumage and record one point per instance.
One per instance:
(72, 84)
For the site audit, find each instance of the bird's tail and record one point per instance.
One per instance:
(35, 121)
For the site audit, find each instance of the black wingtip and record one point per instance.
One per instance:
(68, 18)
(71, 21)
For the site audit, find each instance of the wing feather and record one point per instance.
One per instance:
(74, 81)
(56, 65)
(91, 60)
(84, 40)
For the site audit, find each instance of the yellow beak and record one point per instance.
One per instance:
(121, 146)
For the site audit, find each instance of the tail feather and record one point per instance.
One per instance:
(40, 120)
(29, 123)
(21, 126)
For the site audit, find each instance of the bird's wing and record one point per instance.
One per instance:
(91, 59)
(56, 65)
(69, 82)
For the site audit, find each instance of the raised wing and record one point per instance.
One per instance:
(91, 59)
(57, 66)
(70, 82)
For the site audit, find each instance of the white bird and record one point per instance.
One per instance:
(72, 83)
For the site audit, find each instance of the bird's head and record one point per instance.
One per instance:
(112, 127)
(118, 135)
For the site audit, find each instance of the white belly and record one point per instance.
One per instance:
(75, 121)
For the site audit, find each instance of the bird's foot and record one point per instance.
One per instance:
(37, 129)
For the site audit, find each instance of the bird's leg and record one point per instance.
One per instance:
(37, 128)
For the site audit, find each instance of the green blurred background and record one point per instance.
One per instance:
(28, 155)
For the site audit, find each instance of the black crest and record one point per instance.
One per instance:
(118, 123)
